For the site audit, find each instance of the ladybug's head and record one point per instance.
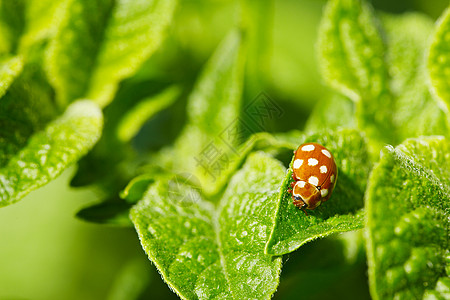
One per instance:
(307, 194)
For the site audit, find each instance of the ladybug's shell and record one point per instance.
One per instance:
(315, 172)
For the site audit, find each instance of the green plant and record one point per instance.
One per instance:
(201, 168)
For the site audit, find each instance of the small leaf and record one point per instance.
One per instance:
(408, 212)
(47, 153)
(111, 212)
(133, 120)
(10, 68)
(439, 60)
(343, 212)
(110, 171)
(118, 37)
(209, 143)
(206, 253)
(331, 113)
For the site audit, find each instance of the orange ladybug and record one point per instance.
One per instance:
(315, 175)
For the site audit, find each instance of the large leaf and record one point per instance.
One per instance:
(349, 36)
(439, 60)
(408, 211)
(351, 53)
(343, 212)
(101, 42)
(45, 154)
(384, 76)
(205, 252)
(209, 143)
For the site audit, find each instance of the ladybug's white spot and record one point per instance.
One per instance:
(312, 161)
(323, 169)
(301, 184)
(324, 192)
(298, 163)
(308, 148)
(313, 180)
(326, 153)
(332, 178)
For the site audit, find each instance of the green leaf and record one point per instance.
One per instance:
(25, 108)
(343, 212)
(209, 143)
(204, 252)
(137, 187)
(50, 151)
(408, 211)
(110, 171)
(111, 212)
(101, 42)
(41, 21)
(10, 68)
(381, 68)
(415, 113)
(439, 60)
(349, 36)
(331, 113)
(133, 120)
(351, 56)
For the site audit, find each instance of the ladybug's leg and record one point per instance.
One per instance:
(290, 190)
(300, 204)
(304, 210)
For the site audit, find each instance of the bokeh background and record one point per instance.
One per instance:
(47, 253)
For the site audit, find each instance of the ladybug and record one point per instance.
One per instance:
(315, 175)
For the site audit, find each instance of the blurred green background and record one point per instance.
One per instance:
(46, 253)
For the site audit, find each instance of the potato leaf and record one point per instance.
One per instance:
(408, 212)
(50, 151)
(204, 252)
(381, 66)
(99, 43)
(343, 212)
